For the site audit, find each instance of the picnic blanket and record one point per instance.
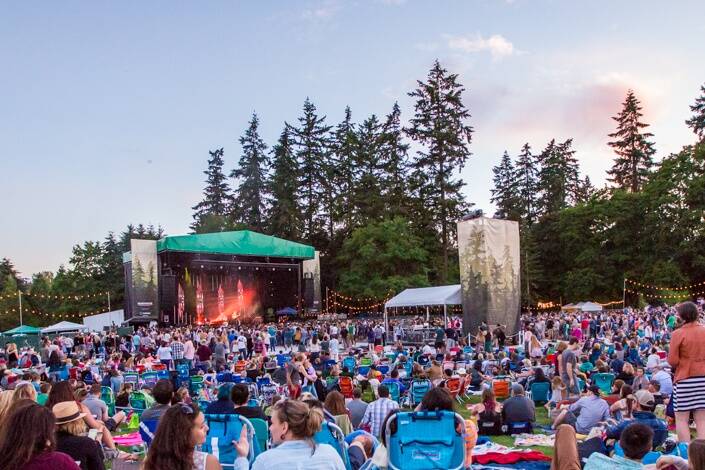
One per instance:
(132, 439)
(495, 453)
(522, 466)
(529, 440)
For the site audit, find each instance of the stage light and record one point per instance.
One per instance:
(239, 268)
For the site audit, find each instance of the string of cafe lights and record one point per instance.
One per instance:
(54, 297)
(15, 312)
(666, 296)
(649, 286)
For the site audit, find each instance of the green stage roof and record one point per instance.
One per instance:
(241, 242)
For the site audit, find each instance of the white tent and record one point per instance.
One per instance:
(63, 327)
(101, 320)
(425, 297)
(584, 307)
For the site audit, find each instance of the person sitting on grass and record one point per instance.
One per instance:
(592, 410)
(644, 413)
(518, 408)
(636, 441)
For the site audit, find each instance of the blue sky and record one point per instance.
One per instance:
(108, 109)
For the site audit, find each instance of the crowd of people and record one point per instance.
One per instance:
(613, 384)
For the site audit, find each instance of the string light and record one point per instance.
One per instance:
(55, 297)
(673, 296)
(649, 286)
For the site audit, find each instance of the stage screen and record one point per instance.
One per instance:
(144, 295)
(489, 273)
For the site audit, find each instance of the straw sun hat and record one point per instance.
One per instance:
(67, 411)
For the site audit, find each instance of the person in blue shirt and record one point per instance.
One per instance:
(645, 405)
(394, 377)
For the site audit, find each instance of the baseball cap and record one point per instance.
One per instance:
(645, 398)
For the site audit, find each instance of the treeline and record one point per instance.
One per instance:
(648, 224)
(383, 217)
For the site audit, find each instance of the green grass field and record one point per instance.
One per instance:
(541, 418)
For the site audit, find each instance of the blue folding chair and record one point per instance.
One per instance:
(222, 431)
(603, 381)
(222, 377)
(350, 363)
(332, 435)
(426, 440)
(394, 391)
(419, 388)
(384, 369)
(519, 427)
(147, 430)
(540, 391)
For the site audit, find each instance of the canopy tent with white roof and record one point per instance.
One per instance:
(584, 307)
(425, 297)
(63, 327)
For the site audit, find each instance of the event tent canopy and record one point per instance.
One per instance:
(24, 330)
(64, 326)
(286, 311)
(240, 242)
(426, 296)
(584, 306)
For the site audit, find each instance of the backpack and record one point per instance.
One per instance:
(489, 423)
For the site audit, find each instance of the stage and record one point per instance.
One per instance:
(239, 276)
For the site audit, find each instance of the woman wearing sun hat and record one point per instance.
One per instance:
(71, 436)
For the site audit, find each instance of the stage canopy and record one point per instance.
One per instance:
(24, 330)
(241, 242)
(426, 296)
(64, 326)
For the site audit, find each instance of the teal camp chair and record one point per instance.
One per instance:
(540, 391)
(106, 394)
(222, 431)
(394, 391)
(581, 385)
(604, 382)
(261, 432)
(424, 440)
(332, 435)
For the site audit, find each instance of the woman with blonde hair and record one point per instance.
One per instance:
(5, 402)
(24, 391)
(293, 427)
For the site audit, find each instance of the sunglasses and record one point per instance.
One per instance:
(185, 409)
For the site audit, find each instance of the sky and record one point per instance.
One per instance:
(108, 109)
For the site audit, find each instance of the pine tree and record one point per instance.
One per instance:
(344, 145)
(505, 194)
(284, 216)
(312, 150)
(585, 190)
(211, 212)
(526, 175)
(697, 122)
(249, 204)
(558, 177)
(367, 201)
(439, 125)
(634, 151)
(393, 163)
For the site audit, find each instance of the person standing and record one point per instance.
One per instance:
(687, 356)
(569, 367)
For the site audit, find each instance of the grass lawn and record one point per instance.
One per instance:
(541, 418)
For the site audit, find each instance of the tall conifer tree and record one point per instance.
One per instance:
(345, 144)
(632, 146)
(312, 153)
(697, 122)
(367, 193)
(526, 175)
(249, 204)
(394, 162)
(558, 177)
(284, 216)
(440, 126)
(505, 194)
(211, 213)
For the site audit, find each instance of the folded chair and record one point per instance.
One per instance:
(222, 431)
(332, 435)
(426, 440)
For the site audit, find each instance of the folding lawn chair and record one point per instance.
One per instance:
(332, 435)
(222, 431)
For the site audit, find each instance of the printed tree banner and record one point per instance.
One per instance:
(144, 279)
(489, 273)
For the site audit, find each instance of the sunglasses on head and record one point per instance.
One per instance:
(186, 409)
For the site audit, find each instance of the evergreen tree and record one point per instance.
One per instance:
(634, 151)
(558, 177)
(216, 197)
(367, 192)
(312, 150)
(505, 194)
(393, 163)
(345, 146)
(697, 122)
(248, 207)
(585, 190)
(439, 125)
(526, 175)
(284, 216)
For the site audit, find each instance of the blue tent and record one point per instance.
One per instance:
(286, 311)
